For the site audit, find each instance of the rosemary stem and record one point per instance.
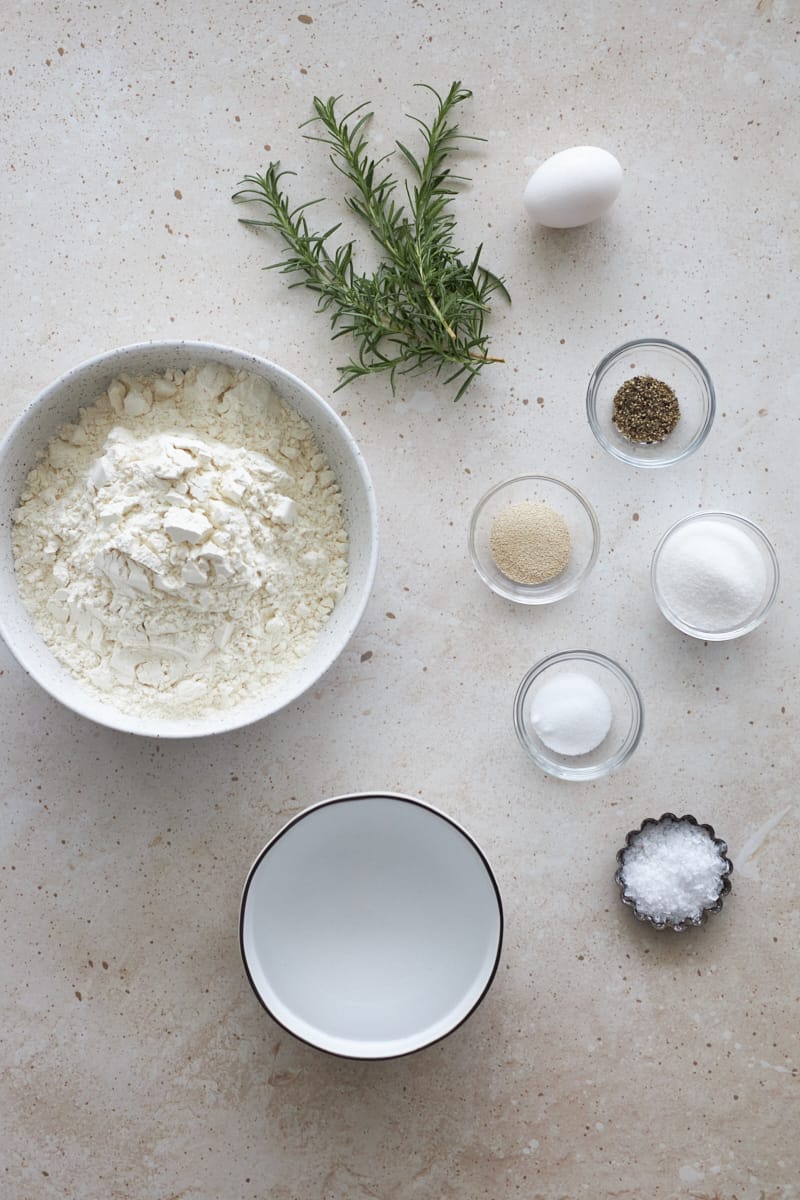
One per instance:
(422, 308)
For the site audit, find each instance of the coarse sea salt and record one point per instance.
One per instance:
(672, 870)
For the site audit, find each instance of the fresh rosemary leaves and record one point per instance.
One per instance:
(423, 308)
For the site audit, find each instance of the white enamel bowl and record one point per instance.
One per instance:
(371, 926)
(81, 386)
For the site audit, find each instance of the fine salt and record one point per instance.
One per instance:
(571, 713)
(672, 871)
(711, 575)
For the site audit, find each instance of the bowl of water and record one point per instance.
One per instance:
(371, 925)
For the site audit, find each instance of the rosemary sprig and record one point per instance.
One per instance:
(423, 307)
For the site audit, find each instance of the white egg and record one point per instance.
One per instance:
(573, 187)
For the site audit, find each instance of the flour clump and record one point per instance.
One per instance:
(181, 545)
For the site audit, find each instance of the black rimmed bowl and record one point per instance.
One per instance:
(371, 925)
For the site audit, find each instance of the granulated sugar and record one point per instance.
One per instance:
(711, 575)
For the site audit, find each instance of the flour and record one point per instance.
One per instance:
(182, 544)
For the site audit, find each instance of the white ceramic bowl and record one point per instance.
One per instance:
(371, 926)
(81, 386)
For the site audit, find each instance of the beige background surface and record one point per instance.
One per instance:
(607, 1060)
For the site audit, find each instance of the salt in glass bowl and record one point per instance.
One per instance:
(677, 926)
(627, 715)
(567, 501)
(771, 569)
(670, 363)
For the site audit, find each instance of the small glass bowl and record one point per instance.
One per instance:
(627, 716)
(568, 502)
(678, 926)
(670, 363)
(772, 573)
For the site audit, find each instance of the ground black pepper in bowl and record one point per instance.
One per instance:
(658, 363)
(645, 409)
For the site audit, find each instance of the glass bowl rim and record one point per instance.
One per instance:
(591, 403)
(598, 770)
(760, 613)
(532, 590)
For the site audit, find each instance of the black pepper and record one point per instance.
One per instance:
(645, 409)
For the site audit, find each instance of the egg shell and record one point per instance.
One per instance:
(573, 187)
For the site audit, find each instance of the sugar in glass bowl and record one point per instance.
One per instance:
(715, 599)
(568, 503)
(624, 713)
(59, 404)
(673, 365)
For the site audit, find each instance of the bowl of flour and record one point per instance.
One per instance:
(188, 538)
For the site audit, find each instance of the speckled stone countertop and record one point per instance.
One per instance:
(607, 1060)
